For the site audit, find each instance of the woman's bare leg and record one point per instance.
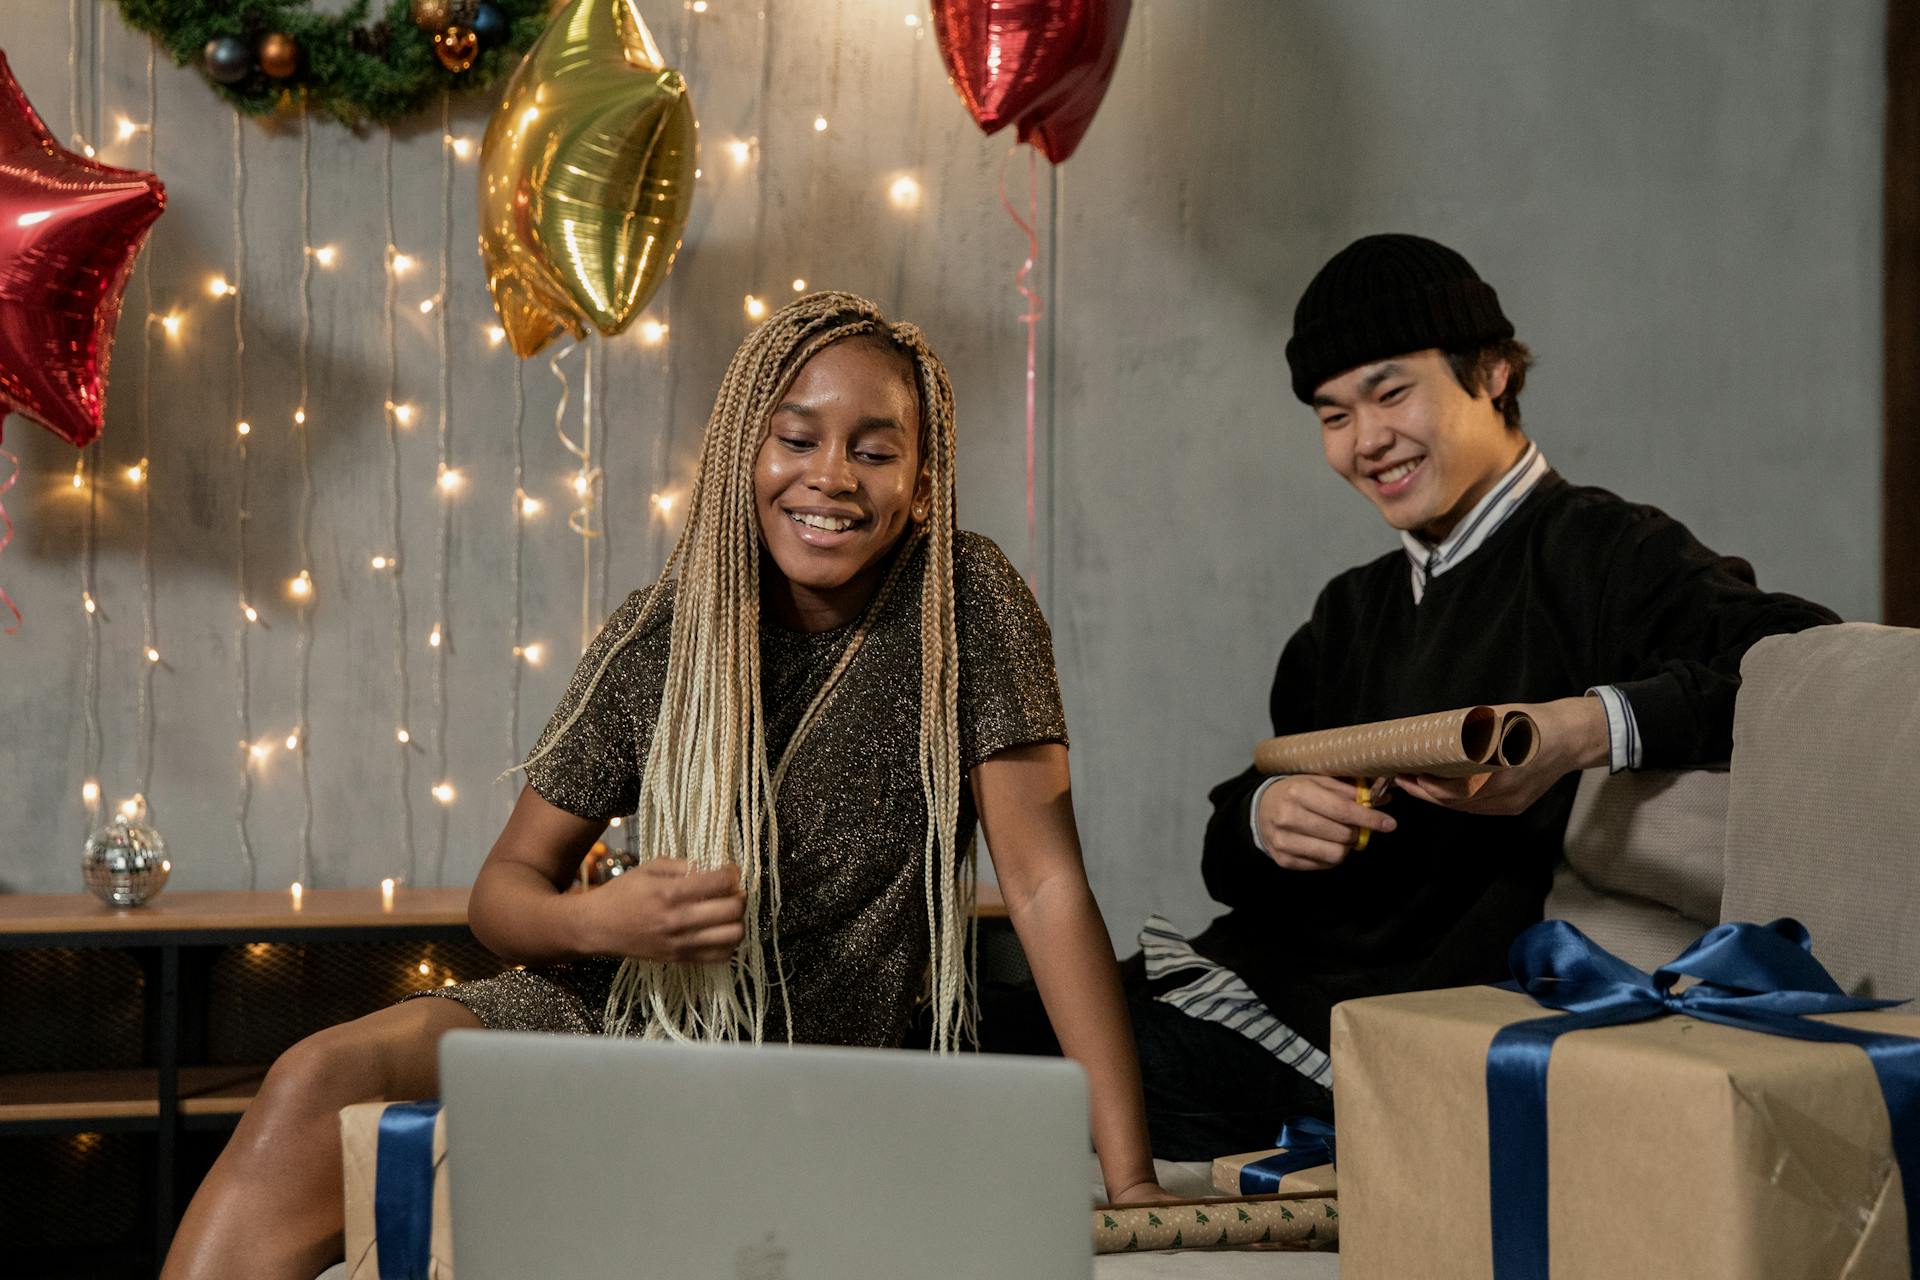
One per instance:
(271, 1207)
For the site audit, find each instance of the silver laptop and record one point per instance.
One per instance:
(582, 1158)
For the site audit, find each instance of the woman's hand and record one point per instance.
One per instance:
(1309, 823)
(659, 910)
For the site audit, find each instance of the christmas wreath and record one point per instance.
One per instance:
(259, 54)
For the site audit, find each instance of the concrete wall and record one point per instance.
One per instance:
(1678, 202)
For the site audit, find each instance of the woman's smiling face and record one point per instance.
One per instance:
(837, 479)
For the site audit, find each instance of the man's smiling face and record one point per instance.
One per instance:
(1407, 435)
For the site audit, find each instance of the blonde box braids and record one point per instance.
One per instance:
(707, 791)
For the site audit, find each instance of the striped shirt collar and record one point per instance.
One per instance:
(1430, 560)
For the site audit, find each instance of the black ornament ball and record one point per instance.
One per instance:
(228, 59)
(491, 25)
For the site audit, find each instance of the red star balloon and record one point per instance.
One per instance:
(69, 230)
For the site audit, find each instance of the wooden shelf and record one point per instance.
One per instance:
(131, 1094)
(237, 911)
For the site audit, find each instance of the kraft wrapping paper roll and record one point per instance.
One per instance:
(1447, 744)
(1258, 1222)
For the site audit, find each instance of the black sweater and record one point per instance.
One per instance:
(1578, 588)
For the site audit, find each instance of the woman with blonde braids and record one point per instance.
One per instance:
(807, 715)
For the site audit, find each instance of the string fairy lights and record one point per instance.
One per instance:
(449, 484)
(397, 417)
(243, 693)
(303, 641)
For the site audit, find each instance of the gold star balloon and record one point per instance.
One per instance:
(586, 177)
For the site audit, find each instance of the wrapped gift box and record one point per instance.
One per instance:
(1230, 1176)
(410, 1163)
(1675, 1147)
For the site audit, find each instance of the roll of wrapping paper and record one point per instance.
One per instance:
(1447, 744)
(1285, 1221)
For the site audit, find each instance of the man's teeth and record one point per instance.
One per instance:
(832, 524)
(1393, 474)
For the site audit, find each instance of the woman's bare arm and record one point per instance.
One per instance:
(522, 910)
(1026, 807)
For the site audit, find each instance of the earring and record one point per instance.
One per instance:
(920, 512)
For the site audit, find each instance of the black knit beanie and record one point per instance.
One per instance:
(1385, 296)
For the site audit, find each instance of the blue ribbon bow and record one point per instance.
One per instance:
(1757, 978)
(1306, 1143)
(403, 1189)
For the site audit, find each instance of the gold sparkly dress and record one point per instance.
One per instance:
(853, 925)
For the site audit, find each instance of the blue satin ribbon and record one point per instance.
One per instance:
(1307, 1143)
(403, 1189)
(1757, 978)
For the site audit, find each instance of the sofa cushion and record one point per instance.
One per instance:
(1823, 811)
(1645, 934)
(1656, 835)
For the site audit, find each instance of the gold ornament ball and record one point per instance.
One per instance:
(456, 47)
(279, 55)
(438, 15)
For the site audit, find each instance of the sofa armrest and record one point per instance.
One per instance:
(1824, 810)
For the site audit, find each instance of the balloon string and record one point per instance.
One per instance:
(1035, 309)
(6, 535)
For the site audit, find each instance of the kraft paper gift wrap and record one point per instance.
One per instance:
(422, 1249)
(1676, 1147)
(1227, 1171)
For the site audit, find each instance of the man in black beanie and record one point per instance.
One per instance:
(1606, 620)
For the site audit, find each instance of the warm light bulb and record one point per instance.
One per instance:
(244, 428)
(443, 793)
(530, 507)
(325, 254)
(614, 822)
(402, 737)
(741, 150)
(799, 285)
(495, 335)
(125, 128)
(581, 484)
(905, 192)
(90, 791)
(171, 323)
(462, 147)
(381, 562)
(450, 479)
(652, 332)
(299, 417)
(218, 286)
(433, 637)
(696, 173)
(401, 263)
(663, 502)
(532, 653)
(819, 124)
(86, 601)
(296, 889)
(301, 586)
(253, 615)
(137, 472)
(426, 306)
(153, 654)
(293, 742)
(402, 414)
(425, 968)
(130, 808)
(756, 308)
(260, 750)
(913, 19)
(699, 6)
(79, 475)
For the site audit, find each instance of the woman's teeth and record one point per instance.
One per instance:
(1393, 475)
(832, 524)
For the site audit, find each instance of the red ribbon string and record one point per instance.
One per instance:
(6, 535)
(1035, 309)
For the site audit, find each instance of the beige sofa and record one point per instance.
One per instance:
(1816, 818)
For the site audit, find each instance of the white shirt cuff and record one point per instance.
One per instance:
(1624, 748)
(1253, 814)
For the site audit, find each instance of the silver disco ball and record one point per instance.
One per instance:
(125, 863)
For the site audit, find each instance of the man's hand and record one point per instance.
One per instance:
(657, 911)
(1309, 822)
(1573, 735)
